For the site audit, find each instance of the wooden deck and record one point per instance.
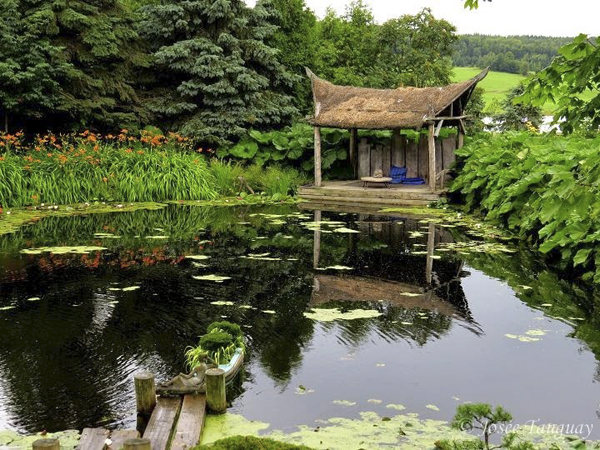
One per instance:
(176, 424)
(353, 192)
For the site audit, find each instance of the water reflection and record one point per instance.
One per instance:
(66, 359)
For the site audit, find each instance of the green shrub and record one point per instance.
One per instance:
(216, 340)
(226, 175)
(231, 328)
(543, 188)
(250, 443)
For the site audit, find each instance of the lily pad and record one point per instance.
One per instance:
(197, 257)
(331, 314)
(344, 403)
(62, 250)
(345, 230)
(212, 277)
(222, 303)
(336, 268)
(432, 407)
(33, 299)
(397, 407)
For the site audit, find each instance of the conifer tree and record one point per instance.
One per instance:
(214, 75)
(31, 68)
(99, 41)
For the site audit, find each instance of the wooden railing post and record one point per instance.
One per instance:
(46, 444)
(137, 444)
(145, 392)
(215, 390)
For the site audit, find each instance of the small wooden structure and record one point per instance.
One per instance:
(356, 108)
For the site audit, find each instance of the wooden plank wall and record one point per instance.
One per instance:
(401, 151)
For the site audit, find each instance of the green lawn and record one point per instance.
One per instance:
(496, 84)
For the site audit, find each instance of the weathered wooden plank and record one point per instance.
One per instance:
(93, 439)
(317, 156)
(431, 151)
(376, 159)
(364, 159)
(439, 161)
(412, 159)
(398, 149)
(369, 201)
(423, 167)
(162, 421)
(190, 424)
(448, 155)
(386, 157)
(352, 150)
(118, 438)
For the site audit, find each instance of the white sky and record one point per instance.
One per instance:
(502, 17)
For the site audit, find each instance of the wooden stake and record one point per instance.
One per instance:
(46, 444)
(353, 156)
(145, 392)
(430, 250)
(431, 148)
(137, 444)
(215, 390)
(317, 157)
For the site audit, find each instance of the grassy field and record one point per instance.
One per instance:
(496, 85)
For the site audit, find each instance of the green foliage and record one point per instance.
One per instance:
(572, 75)
(231, 328)
(517, 115)
(415, 50)
(544, 188)
(475, 110)
(511, 54)
(250, 443)
(220, 343)
(214, 76)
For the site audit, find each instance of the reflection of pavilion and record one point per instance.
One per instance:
(400, 278)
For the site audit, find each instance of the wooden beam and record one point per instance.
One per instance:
(430, 119)
(439, 127)
(431, 149)
(353, 148)
(93, 439)
(317, 157)
(161, 422)
(190, 423)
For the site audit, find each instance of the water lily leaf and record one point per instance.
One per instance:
(212, 277)
(6, 308)
(62, 250)
(157, 237)
(345, 230)
(33, 299)
(222, 303)
(197, 257)
(344, 403)
(535, 332)
(335, 268)
(269, 311)
(432, 407)
(331, 314)
(397, 407)
(374, 400)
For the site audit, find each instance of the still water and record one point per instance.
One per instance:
(449, 324)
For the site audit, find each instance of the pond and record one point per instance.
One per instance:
(344, 313)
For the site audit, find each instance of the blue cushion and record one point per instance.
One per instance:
(397, 172)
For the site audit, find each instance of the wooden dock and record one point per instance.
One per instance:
(352, 192)
(176, 424)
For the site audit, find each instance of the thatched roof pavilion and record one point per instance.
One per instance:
(389, 109)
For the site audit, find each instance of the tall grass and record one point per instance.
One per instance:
(79, 168)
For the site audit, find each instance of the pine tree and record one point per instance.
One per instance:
(101, 45)
(215, 76)
(31, 68)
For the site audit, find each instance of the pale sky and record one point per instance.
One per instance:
(502, 17)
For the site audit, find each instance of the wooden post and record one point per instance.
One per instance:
(137, 444)
(317, 157)
(353, 148)
(430, 250)
(145, 392)
(215, 390)
(461, 139)
(317, 240)
(431, 148)
(46, 444)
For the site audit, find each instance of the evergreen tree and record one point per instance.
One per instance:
(518, 115)
(215, 76)
(31, 68)
(100, 43)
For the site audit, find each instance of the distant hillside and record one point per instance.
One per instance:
(512, 54)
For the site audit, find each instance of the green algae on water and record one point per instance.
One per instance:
(62, 250)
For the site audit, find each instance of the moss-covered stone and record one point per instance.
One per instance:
(250, 443)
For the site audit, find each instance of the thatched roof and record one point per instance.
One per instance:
(405, 107)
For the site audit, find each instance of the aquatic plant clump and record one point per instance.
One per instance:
(220, 343)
